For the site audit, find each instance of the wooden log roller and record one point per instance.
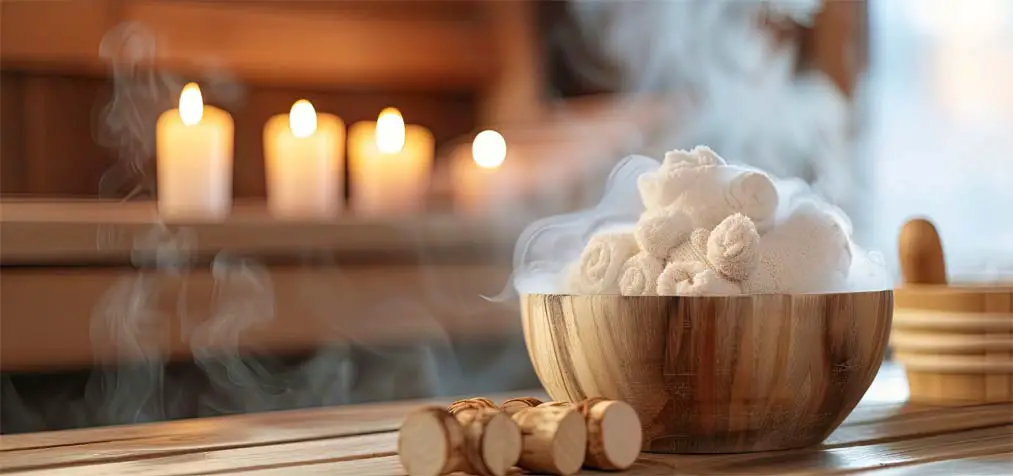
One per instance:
(553, 440)
(474, 439)
(614, 433)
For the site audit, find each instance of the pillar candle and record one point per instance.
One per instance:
(303, 163)
(481, 182)
(194, 145)
(389, 165)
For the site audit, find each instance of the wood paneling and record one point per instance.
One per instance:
(424, 45)
(283, 310)
(56, 141)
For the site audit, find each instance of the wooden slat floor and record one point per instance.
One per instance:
(884, 436)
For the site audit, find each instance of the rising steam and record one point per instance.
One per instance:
(729, 80)
(548, 246)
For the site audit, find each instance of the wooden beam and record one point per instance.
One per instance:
(99, 232)
(77, 317)
(432, 45)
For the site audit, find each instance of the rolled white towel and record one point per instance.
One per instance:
(661, 230)
(699, 155)
(707, 190)
(693, 250)
(597, 271)
(753, 194)
(808, 252)
(732, 247)
(678, 280)
(639, 276)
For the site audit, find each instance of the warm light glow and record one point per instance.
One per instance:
(489, 149)
(390, 133)
(302, 119)
(191, 104)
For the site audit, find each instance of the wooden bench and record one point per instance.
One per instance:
(884, 436)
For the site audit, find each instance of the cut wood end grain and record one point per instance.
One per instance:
(614, 432)
(430, 443)
(555, 439)
(614, 435)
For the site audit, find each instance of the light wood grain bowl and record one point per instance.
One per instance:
(955, 342)
(714, 374)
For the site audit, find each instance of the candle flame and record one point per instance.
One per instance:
(489, 149)
(390, 131)
(302, 118)
(191, 104)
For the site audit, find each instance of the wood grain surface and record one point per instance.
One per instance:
(713, 374)
(314, 280)
(883, 436)
(956, 341)
(100, 232)
(300, 308)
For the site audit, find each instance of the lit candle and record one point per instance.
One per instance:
(303, 162)
(194, 159)
(480, 181)
(389, 165)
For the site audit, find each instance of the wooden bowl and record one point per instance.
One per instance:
(714, 374)
(954, 341)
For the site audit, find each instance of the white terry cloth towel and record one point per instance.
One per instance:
(708, 190)
(678, 280)
(659, 231)
(597, 269)
(639, 276)
(808, 252)
(733, 248)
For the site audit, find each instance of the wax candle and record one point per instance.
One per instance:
(389, 165)
(480, 180)
(194, 146)
(303, 162)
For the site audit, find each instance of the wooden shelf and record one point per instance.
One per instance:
(98, 232)
(72, 274)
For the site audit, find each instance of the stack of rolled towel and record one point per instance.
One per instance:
(710, 228)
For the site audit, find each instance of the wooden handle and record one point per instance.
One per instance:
(921, 253)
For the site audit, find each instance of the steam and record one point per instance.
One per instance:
(728, 80)
(127, 122)
(548, 246)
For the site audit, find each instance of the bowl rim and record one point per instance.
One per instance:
(889, 291)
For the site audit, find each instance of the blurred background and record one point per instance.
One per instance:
(889, 108)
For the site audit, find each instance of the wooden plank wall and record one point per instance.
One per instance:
(49, 128)
(433, 60)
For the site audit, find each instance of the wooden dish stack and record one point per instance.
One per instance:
(955, 341)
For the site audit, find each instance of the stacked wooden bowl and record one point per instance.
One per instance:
(955, 341)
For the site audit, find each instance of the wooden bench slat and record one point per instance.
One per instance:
(260, 428)
(845, 460)
(236, 460)
(990, 465)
